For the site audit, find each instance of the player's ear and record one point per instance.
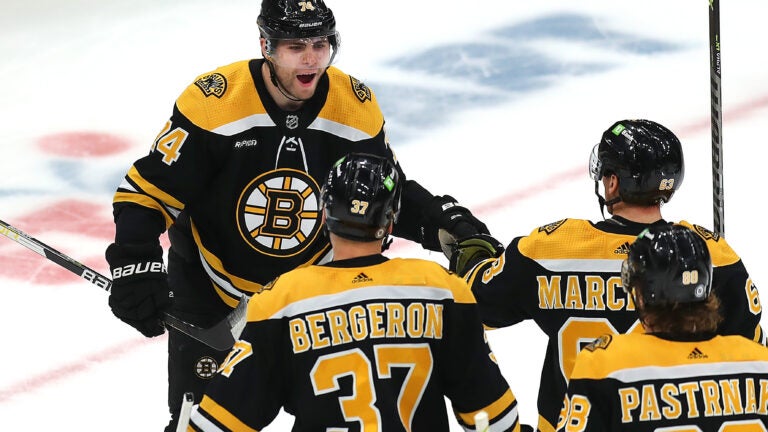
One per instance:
(611, 185)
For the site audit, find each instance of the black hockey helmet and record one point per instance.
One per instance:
(645, 156)
(361, 197)
(296, 19)
(668, 264)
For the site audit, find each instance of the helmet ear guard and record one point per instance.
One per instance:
(668, 264)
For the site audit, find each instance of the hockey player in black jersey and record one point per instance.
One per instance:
(233, 178)
(363, 342)
(566, 275)
(678, 375)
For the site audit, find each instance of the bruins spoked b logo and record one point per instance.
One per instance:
(278, 213)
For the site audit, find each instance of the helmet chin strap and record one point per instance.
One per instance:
(603, 202)
(276, 83)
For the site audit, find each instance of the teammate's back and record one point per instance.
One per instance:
(363, 342)
(640, 382)
(679, 374)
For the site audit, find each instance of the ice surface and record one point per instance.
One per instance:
(496, 103)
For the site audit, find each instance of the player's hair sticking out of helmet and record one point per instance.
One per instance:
(668, 273)
(295, 19)
(361, 197)
(646, 157)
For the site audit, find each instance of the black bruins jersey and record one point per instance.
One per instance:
(566, 276)
(365, 344)
(641, 382)
(240, 177)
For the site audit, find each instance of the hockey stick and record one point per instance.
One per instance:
(221, 336)
(717, 118)
(186, 408)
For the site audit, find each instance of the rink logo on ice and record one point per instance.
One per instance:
(205, 367)
(212, 85)
(477, 73)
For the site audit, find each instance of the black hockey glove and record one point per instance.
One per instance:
(444, 212)
(464, 254)
(140, 293)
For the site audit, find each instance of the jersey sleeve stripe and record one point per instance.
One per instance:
(145, 201)
(227, 419)
(152, 190)
(494, 410)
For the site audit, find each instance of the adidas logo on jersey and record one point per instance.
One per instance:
(362, 277)
(623, 249)
(697, 354)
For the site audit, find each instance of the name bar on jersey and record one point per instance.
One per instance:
(391, 320)
(709, 390)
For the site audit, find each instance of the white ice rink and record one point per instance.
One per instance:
(496, 103)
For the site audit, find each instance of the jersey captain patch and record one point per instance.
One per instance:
(212, 85)
(278, 213)
(361, 90)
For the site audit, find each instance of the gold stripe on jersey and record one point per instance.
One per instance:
(227, 108)
(402, 274)
(609, 363)
(150, 189)
(344, 114)
(228, 113)
(544, 425)
(663, 380)
(595, 247)
(227, 419)
(552, 247)
(228, 286)
(494, 410)
(145, 201)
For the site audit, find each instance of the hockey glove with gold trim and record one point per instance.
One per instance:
(445, 213)
(140, 293)
(464, 254)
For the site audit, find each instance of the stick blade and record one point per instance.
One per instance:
(221, 336)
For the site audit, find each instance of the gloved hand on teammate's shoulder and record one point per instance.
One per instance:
(465, 253)
(140, 293)
(444, 212)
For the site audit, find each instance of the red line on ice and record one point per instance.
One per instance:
(498, 203)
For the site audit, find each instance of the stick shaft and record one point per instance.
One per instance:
(715, 64)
